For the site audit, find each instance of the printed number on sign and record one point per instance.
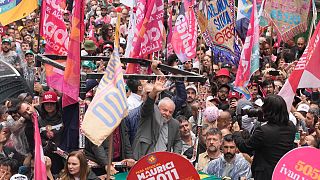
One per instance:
(308, 170)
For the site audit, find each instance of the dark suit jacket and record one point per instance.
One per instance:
(269, 143)
(99, 154)
(149, 130)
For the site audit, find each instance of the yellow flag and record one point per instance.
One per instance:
(11, 11)
(109, 105)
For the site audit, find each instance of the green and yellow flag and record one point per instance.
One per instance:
(13, 10)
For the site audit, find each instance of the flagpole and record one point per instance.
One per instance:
(110, 155)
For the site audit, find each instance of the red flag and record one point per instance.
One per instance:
(39, 159)
(54, 31)
(306, 73)
(71, 79)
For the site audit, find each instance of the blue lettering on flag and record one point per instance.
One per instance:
(118, 110)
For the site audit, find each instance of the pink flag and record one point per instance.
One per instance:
(149, 30)
(184, 38)
(71, 79)
(306, 73)
(249, 60)
(54, 31)
(169, 44)
(39, 159)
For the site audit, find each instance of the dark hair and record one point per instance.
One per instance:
(315, 113)
(228, 138)
(275, 110)
(181, 118)
(133, 85)
(172, 59)
(214, 131)
(12, 163)
(266, 83)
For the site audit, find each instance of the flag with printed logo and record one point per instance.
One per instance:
(289, 18)
(184, 36)
(306, 73)
(109, 105)
(148, 33)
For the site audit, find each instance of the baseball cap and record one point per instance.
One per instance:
(18, 177)
(303, 107)
(223, 72)
(88, 64)
(6, 40)
(192, 87)
(108, 46)
(29, 52)
(123, 41)
(49, 97)
(233, 95)
(89, 45)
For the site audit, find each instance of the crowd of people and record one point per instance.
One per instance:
(221, 132)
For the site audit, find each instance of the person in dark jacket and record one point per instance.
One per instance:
(51, 128)
(270, 141)
(98, 155)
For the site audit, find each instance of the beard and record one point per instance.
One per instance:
(212, 149)
(228, 156)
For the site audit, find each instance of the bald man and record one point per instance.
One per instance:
(224, 120)
(301, 46)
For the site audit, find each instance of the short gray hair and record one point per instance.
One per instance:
(165, 101)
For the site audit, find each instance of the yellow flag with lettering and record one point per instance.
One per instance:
(13, 10)
(109, 105)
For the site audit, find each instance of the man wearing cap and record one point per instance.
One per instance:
(28, 70)
(8, 55)
(191, 97)
(89, 48)
(88, 66)
(223, 76)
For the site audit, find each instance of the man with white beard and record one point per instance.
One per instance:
(213, 143)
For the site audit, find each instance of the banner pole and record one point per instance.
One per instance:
(110, 155)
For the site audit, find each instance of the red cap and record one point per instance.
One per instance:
(49, 97)
(118, 9)
(223, 72)
(233, 95)
(107, 46)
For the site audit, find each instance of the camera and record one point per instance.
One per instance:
(252, 112)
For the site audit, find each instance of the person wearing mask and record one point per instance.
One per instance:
(213, 140)
(270, 141)
(231, 164)
(157, 130)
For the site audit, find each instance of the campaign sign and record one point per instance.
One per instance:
(300, 163)
(163, 166)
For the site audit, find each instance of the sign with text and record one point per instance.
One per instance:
(289, 17)
(53, 28)
(149, 28)
(184, 37)
(299, 163)
(216, 21)
(164, 166)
